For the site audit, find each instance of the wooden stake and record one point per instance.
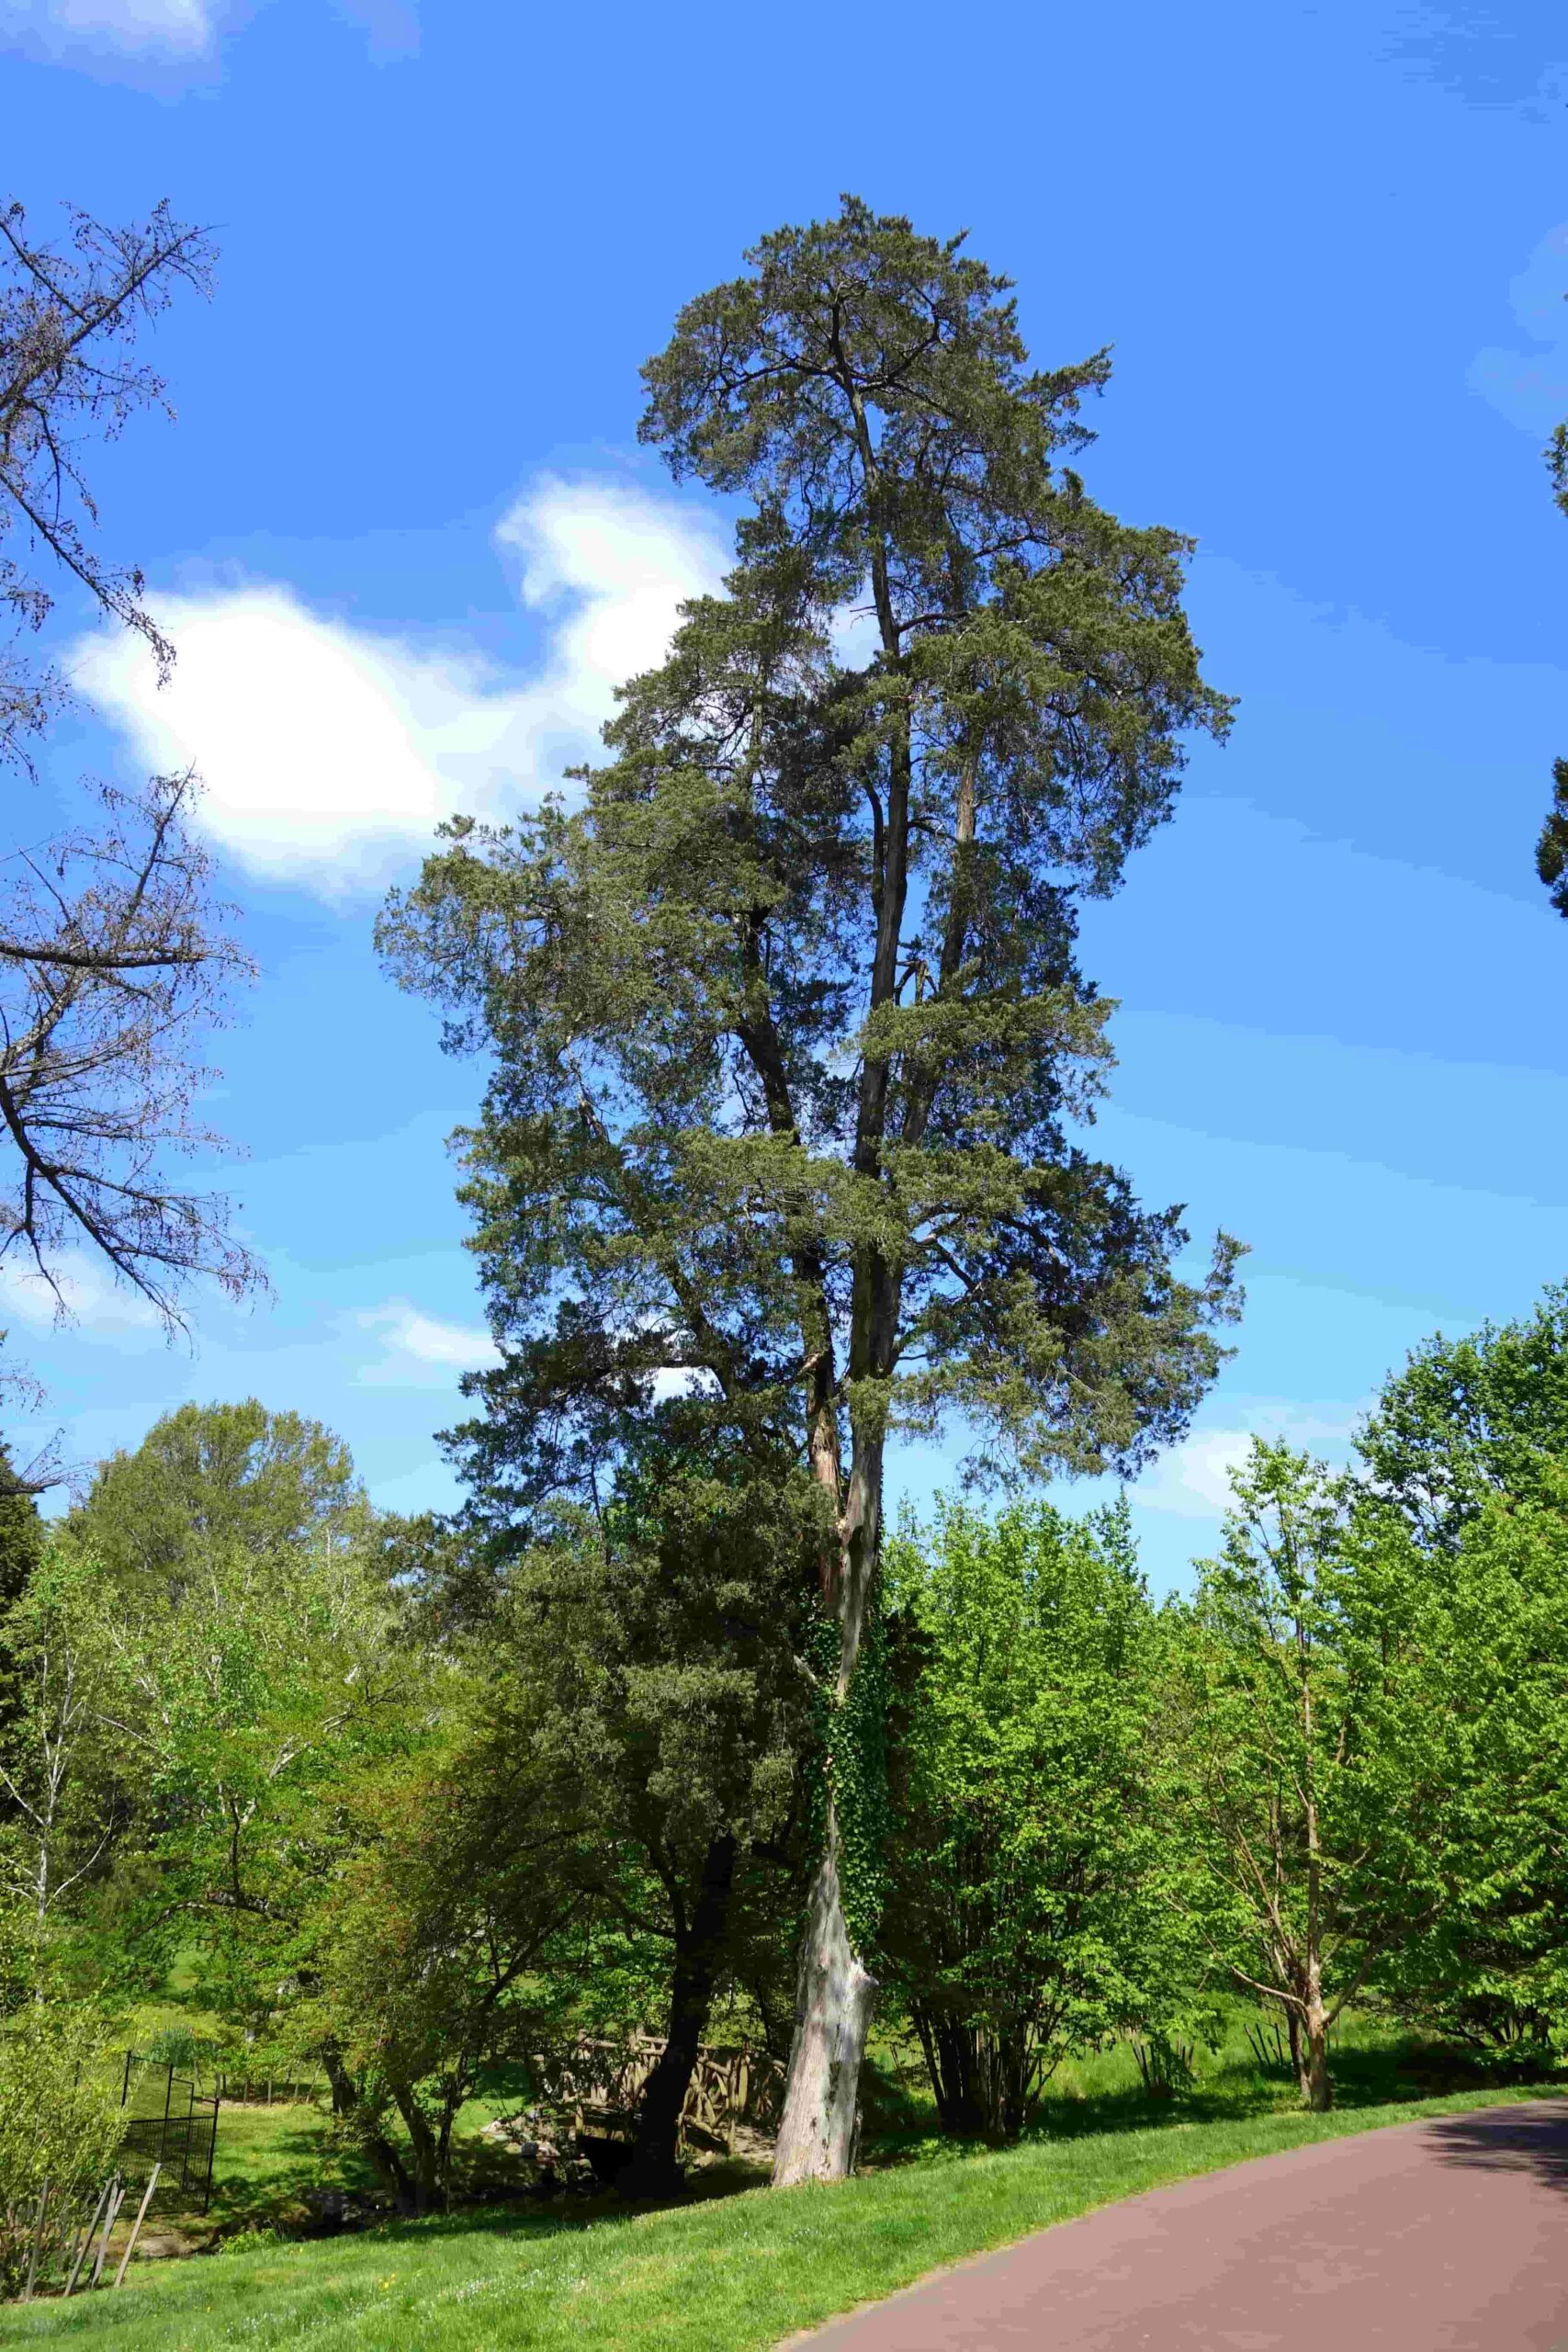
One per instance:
(136, 2225)
(38, 2240)
(87, 2240)
(116, 2202)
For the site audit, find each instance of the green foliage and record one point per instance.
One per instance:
(1021, 1920)
(214, 1489)
(1489, 1966)
(64, 1806)
(21, 1545)
(458, 1883)
(854, 1737)
(1466, 1419)
(1552, 848)
(650, 1653)
(60, 2121)
(1303, 1753)
(21, 1532)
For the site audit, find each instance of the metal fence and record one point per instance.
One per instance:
(271, 2090)
(172, 2124)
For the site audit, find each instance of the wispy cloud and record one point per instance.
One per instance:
(392, 25)
(1530, 387)
(1193, 1479)
(132, 34)
(178, 27)
(329, 753)
(419, 1351)
(88, 1297)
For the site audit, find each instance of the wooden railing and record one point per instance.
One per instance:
(599, 2084)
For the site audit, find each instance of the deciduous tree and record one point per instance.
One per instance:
(1308, 1775)
(1468, 1419)
(1021, 1918)
(232, 1491)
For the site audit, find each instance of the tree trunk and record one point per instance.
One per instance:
(950, 2056)
(388, 2165)
(1316, 2090)
(655, 2167)
(833, 2009)
(427, 2183)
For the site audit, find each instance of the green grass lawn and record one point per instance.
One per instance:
(731, 2275)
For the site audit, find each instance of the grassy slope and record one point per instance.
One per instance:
(731, 2275)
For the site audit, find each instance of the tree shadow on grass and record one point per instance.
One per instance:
(1365, 2075)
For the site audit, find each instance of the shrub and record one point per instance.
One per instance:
(60, 2121)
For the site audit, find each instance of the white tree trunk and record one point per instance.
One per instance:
(834, 2001)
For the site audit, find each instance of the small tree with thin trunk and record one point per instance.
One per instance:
(788, 1035)
(1306, 1774)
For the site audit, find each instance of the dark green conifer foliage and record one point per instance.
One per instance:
(1552, 850)
(789, 1040)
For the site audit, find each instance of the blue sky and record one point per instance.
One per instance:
(405, 542)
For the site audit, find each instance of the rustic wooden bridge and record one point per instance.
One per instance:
(599, 2086)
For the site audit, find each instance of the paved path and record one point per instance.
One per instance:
(1447, 2236)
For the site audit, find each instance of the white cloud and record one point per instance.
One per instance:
(147, 34)
(421, 1351)
(96, 1306)
(167, 28)
(330, 754)
(1193, 1479)
(1530, 388)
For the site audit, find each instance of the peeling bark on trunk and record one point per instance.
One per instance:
(1316, 2090)
(655, 2167)
(835, 1996)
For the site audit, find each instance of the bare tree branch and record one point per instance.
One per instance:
(69, 313)
(111, 958)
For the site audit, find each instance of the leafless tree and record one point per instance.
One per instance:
(111, 958)
(70, 313)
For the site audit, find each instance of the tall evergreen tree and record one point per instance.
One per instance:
(788, 1035)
